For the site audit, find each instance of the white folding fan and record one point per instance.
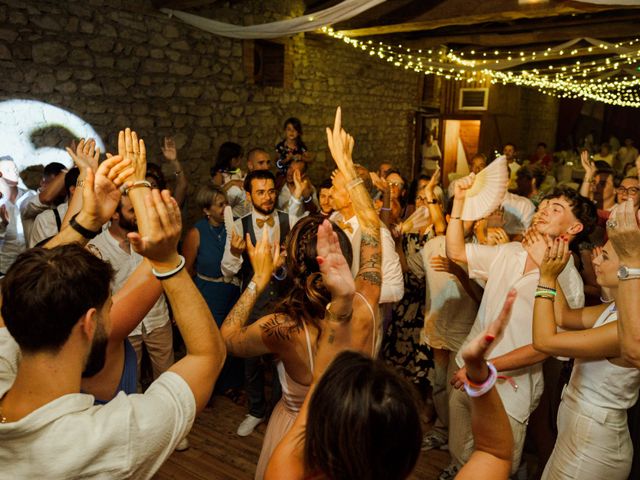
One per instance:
(228, 220)
(488, 190)
(418, 219)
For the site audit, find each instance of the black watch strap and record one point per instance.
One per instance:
(85, 232)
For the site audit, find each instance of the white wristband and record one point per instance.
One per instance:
(479, 390)
(170, 273)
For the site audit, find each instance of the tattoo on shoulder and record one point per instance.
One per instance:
(372, 277)
(280, 327)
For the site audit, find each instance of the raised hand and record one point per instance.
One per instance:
(169, 149)
(380, 183)
(624, 234)
(85, 155)
(336, 272)
(477, 350)
(587, 164)
(237, 243)
(434, 181)
(131, 148)
(341, 147)
(496, 236)
(462, 185)
(536, 245)
(101, 191)
(159, 240)
(301, 185)
(555, 259)
(263, 258)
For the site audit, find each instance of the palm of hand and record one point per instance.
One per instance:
(336, 273)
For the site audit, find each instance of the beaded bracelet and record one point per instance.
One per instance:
(170, 273)
(477, 390)
(542, 287)
(137, 184)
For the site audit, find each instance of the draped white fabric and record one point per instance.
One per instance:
(338, 13)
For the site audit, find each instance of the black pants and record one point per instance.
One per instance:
(255, 369)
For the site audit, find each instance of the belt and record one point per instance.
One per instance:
(232, 280)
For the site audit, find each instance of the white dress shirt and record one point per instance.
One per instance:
(392, 289)
(231, 264)
(70, 437)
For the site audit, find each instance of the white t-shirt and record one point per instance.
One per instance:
(107, 248)
(45, 226)
(129, 437)
(502, 267)
(449, 310)
(9, 360)
(30, 208)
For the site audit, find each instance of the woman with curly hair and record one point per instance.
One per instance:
(293, 331)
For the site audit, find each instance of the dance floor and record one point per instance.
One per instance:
(218, 453)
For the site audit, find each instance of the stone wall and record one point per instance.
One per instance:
(118, 64)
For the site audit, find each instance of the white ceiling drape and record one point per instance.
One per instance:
(338, 13)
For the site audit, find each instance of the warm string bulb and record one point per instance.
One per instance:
(574, 80)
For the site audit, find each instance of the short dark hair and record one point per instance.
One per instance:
(542, 144)
(325, 184)
(257, 175)
(70, 179)
(583, 209)
(510, 143)
(45, 292)
(255, 150)
(603, 167)
(363, 422)
(53, 169)
(207, 194)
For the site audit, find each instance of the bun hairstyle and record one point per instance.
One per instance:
(306, 297)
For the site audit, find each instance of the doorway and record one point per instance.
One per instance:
(461, 140)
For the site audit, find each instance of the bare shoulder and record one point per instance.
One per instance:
(279, 327)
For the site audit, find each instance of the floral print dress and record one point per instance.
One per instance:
(401, 347)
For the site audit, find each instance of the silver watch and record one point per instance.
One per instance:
(627, 273)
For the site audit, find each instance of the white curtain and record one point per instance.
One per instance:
(338, 13)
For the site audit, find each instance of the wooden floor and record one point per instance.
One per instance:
(218, 453)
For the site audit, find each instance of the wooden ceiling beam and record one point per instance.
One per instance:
(616, 30)
(532, 12)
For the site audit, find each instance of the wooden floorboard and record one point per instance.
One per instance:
(218, 453)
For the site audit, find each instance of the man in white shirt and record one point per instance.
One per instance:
(257, 159)
(47, 224)
(56, 306)
(505, 267)
(509, 151)
(392, 289)
(260, 186)
(431, 155)
(113, 246)
(50, 194)
(308, 201)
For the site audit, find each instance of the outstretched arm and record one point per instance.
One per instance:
(492, 436)
(456, 250)
(624, 235)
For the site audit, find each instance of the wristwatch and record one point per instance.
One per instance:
(627, 273)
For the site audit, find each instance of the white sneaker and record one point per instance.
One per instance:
(248, 424)
(182, 445)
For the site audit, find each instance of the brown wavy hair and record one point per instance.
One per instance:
(306, 297)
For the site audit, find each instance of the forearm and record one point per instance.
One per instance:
(69, 235)
(133, 301)
(439, 222)
(519, 358)
(628, 305)
(585, 188)
(385, 210)
(454, 241)
(137, 196)
(182, 183)
(472, 289)
(237, 318)
(75, 204)
(193, 317)
(52, 191)
(544, 325)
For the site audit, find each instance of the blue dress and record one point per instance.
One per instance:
(220, 296)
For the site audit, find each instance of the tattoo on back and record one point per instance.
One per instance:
(280, 327)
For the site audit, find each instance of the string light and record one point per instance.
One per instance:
(614, 80)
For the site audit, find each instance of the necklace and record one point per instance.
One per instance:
(216, 234)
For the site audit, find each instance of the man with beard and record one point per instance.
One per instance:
(56, 305)
(260, 186)
(113, 246)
